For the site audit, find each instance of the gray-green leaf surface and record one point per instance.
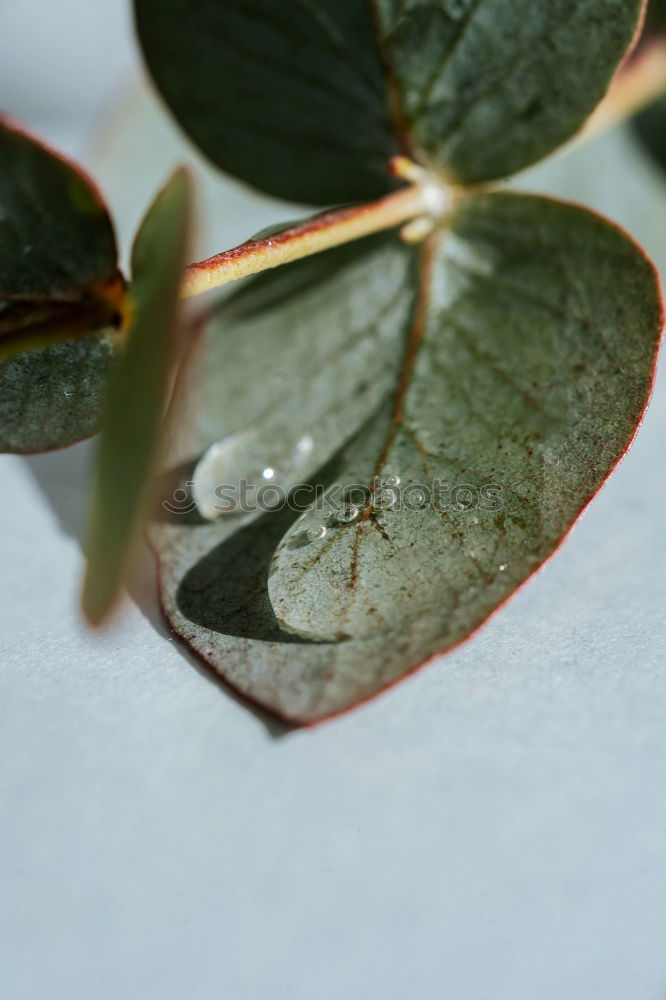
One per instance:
(525, 358)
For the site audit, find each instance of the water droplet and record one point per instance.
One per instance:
(348, 513)
(234, 472)
(502, 567)
(418, 498)
(384, 498)
(316, 533)
(388, 481)
(304, 446)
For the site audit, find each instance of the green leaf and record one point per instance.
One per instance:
(309, 100)
(61, 297)
(53, 397)
(137, 396)
(290, 97)
(650, 127)
(523, 366)
(649, 124)
(490, 86)
(655, 21)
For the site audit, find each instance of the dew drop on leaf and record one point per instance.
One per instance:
(304, 445)
(382, 481)
(234, 470)
(348, 514)
(384, 498)
(418, 498)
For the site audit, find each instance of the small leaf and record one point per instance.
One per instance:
(137, 397)
(61, 297)
(522, 369)
(309, 100)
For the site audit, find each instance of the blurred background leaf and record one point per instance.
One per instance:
(138, 393)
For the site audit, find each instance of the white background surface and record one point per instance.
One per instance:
(492, 829)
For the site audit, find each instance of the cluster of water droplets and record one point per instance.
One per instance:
(383, 496)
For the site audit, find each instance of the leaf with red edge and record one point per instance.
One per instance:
(61, 297)
(514, 355)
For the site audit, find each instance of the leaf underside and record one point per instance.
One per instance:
(60, 292)
(136, 399)
(511, 357)
(308, 100)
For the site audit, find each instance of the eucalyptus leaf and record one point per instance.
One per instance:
(650, 127)
(649, 124)
(655, 21)
(308, 100)
(290, 97)
(61, 297)
(137, 396)
(527, 351)
(490, 86)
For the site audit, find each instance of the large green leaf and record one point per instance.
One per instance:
(61, 296)
(309, 99)
(525, 362)
(288, 96)
(137, 396)
(490, 86)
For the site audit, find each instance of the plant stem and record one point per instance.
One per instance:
(425, 198)
(423, 201)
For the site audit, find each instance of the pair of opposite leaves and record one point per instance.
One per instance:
(514, 349)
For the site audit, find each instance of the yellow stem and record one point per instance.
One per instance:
(426, 197)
